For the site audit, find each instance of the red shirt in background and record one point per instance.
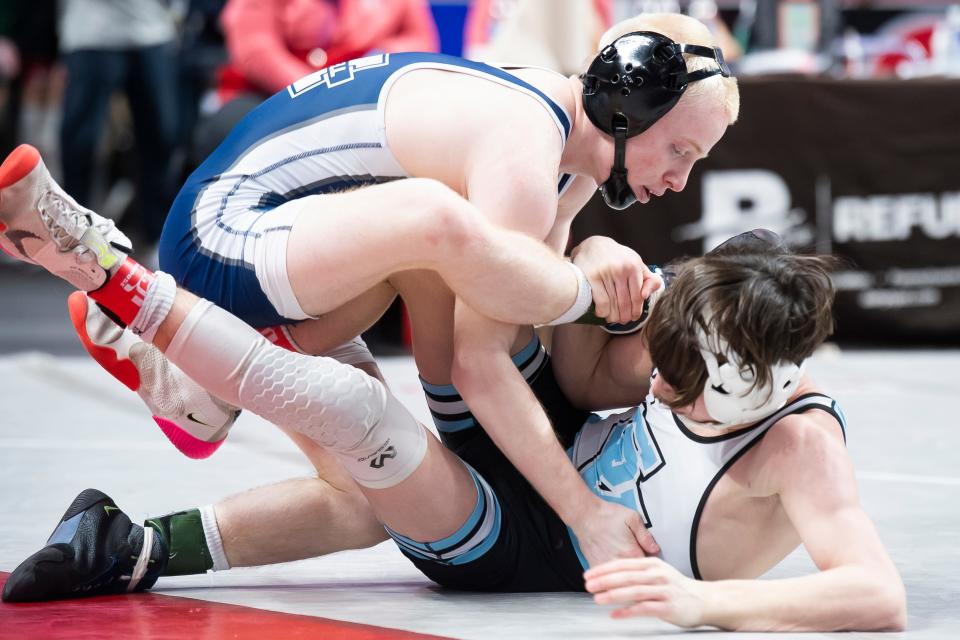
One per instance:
(271, 43)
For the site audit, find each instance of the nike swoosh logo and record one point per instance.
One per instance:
(200, 422)
(107, 508)
(17, 236)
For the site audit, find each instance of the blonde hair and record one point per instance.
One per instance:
(686, 30)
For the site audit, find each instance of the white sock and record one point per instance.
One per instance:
(156, 305)
(211, 531)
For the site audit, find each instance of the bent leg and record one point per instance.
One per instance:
(320, 515)
(317, 518)
(350, 413)
(349, 242)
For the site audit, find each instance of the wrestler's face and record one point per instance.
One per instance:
(697, 412)
(659, 159)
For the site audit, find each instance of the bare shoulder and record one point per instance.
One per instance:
(466, 112)
(553, 84)
(577, 195)
(803, 431)
(802, 449)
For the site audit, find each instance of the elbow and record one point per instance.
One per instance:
(479, 366)
(892, 608)
(466, 369)
(885, 605)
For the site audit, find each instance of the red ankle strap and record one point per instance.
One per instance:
(124, 292)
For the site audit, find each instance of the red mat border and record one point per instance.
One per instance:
(154, 616)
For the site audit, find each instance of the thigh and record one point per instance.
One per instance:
(319, 335)
(348, 242)
(429, 305)
(300, 259)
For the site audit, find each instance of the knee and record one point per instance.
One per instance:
(450, 223)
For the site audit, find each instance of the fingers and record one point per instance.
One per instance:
(624, 288)
(625, 564)
(642, 576)
(651, 282)
(652, 608)
(644, 538)
(630, 594)
(624, 303)
(620, 280)
(601, 297)
(636, 280)
(644, 585)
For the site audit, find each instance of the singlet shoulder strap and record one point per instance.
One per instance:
(804, 403)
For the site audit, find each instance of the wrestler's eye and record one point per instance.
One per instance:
(677, 151)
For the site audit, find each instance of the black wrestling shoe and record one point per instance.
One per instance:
(95, 550)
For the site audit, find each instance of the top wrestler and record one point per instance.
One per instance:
(269, 228)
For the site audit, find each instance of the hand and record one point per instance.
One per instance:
(619, 278)
(648, 587)
(608, 531)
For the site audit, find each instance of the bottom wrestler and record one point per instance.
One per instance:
(733, 459)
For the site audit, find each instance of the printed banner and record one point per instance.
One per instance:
(867, 170)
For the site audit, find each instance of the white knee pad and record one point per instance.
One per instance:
(338, 406)
(334, 404)
(392, 450)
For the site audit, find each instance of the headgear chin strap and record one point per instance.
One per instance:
(630, 85)
(730, 395)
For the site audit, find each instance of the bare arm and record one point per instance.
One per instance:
(597, 370)
(857, 587)
(515, 194)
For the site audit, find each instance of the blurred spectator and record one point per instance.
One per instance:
(30, 84)
(271, 43)
(535, 33)
(127, 45)
(202, 53)
(788, 35)
(707, 12)
(917, 43)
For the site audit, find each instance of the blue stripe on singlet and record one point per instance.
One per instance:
(459, 418)
(447, 550)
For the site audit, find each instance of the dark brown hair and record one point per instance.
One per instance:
(768, 305)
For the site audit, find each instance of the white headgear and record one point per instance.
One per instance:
(730, 396)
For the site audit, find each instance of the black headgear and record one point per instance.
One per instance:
(633, 82)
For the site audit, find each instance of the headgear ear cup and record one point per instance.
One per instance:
(730, 395)
(632, 83)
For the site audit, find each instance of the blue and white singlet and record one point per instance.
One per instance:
(323, 133)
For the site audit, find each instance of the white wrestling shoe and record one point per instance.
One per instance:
(41, 224)
(193, 420)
